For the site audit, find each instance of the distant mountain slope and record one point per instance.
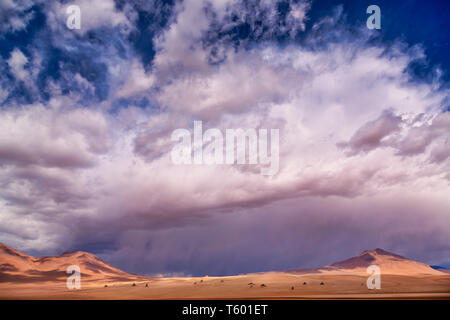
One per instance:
(16, 266)
(389, 263)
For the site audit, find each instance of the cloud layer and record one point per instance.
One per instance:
(86, 118)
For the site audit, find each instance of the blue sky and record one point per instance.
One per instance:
(414, 22)
(86, 118)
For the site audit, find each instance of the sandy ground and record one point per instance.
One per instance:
(271, 285)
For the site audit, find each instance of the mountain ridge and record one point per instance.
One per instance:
(16, 266)
(389, 263)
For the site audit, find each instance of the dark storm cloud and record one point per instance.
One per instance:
(293, 234)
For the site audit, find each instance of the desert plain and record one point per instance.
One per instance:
(26, 277)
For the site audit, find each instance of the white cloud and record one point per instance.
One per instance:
(17, 63)
(135, 80)
(94, 14)
(13, 15)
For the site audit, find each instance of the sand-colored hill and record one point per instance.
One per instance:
(26, 277)
(389, 263)
(18, 267)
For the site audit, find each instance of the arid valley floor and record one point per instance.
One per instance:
(26, 277)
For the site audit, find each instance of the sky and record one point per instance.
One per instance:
(86, 117)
